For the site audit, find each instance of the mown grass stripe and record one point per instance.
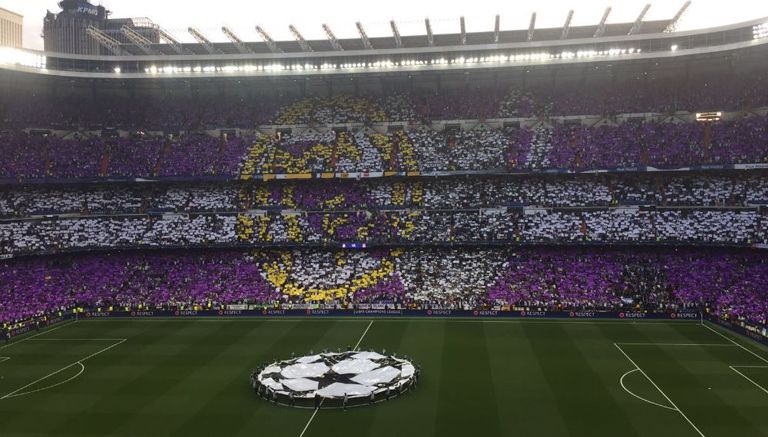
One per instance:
(583, 400)
(467, 403)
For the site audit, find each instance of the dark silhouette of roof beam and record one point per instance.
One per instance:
(268, 40)
(205, 42)
(430, 35)
(332, 38)
(300, 39)
(364, 36)
(105, 40)
(173, 42)
(567, 25)
(532, 27)
(236, 41)
(601, 27)
(139, 40)
(672, 26)
(639, 21)
(396, 34)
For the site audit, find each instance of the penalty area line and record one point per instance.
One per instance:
(659, 389)
(314, 413)
(751, 352)
(679, 344)
(16, 392)
(735, 369)
(78, 339)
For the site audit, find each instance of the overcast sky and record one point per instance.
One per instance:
(308, 15)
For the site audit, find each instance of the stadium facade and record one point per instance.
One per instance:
(76, 28)
(11, 26)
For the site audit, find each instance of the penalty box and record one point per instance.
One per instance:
(39, 363)
(695, 380)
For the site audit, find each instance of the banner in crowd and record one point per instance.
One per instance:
(759, 334)
(380, 174)
(384, 311)
(31, 326)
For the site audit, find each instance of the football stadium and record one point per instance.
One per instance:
(535, 231)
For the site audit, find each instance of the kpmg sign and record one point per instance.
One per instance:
(87, 9)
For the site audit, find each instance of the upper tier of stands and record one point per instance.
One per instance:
(20, 110)
(34, 156)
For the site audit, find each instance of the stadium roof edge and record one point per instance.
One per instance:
(636, 57)
(406, 51)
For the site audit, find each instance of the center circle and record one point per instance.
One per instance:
(335, 379)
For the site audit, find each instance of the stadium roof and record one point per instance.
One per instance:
(417, 41)
(637, 41)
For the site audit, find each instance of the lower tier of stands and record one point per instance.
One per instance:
(728, 282)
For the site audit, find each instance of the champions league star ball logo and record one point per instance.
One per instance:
(334, 379)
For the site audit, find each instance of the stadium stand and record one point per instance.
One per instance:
(533, 279)
(647, 189)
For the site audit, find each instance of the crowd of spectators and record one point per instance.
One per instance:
(175, 112)
(729, 282)
(37, 156)
(408, 220)
(629, 144)
(735, 189)
(624, 225)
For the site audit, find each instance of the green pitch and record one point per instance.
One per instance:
(479, 378)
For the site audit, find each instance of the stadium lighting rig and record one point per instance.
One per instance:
(708, 117)
(387, 64)
(21, 58)
(760, 31)
(496, 30)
